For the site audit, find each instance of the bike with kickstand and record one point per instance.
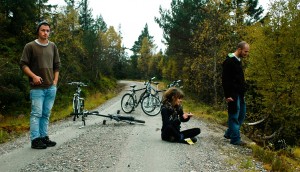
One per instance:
(149, 103)
(78, 109)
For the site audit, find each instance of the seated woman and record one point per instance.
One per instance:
(172, 116)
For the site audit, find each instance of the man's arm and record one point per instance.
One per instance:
(37, 80)
(56, 74)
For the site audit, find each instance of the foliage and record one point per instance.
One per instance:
(211, 42)
(136, 48)
(273, 68)
(200, 34)
(88, 50)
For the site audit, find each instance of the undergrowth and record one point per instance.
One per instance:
(285, 160)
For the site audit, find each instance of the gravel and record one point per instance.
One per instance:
(119, 146)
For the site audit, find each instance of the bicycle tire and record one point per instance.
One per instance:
(76, 105)
(130, 119)
(81, 105)
(139, 121)
(151, 105)
(127, 103)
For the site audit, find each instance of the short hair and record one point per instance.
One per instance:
(171, 93)
(44, 22)
(241, 45)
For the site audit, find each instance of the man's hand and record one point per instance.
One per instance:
(37, 80)
(229, 99)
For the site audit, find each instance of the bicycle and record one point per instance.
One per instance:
(78, 108)
(116, 117)
(151, 103)
(157, 91)
(130, 101)
(78, 101)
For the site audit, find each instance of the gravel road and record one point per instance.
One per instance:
(121, 147)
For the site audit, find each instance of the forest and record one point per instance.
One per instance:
(198, 35)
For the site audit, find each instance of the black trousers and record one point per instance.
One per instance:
(172, 134)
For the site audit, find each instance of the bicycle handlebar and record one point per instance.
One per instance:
(77, 83)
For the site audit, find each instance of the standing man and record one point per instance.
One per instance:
(40, 62)
(233, 83)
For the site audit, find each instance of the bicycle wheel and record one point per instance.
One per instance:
(151, 105)
(81, 105)
(130, 119)
(76, 105)
(127, 103)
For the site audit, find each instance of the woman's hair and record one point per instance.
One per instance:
(172, 94)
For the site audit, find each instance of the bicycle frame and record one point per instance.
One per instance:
(116, 117)
(147, 91)
(130, 100)
(78, 102)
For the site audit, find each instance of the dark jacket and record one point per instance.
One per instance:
(171, 119)
(233, 80)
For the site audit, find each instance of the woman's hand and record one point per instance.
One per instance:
(187, 115)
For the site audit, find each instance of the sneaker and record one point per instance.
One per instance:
(37, 143)
(194, 139)
(226, 137)
(240, 143)
(48, 142)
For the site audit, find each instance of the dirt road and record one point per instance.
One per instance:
(119, 146)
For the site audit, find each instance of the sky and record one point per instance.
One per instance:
(132, 16)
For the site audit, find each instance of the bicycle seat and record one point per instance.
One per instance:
(156, 83)
(132, 86)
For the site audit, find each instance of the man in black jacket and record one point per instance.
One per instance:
(233, 83)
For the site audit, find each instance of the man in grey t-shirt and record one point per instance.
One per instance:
(40, 62)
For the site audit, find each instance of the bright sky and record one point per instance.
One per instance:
(131, 15)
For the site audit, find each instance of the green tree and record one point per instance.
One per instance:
(17, 25)
(211, 41)
(274, 69)
(85, 18)
(112, 52)
(144, 58)
(68, 38)
(136, 48)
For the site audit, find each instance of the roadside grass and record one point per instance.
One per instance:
(12, 126)
(283, 160)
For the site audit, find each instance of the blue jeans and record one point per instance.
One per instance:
(235, 121)
(42, 101)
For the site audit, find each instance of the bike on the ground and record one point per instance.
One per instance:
(150, 104)
(78, 109)
(117, 117)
